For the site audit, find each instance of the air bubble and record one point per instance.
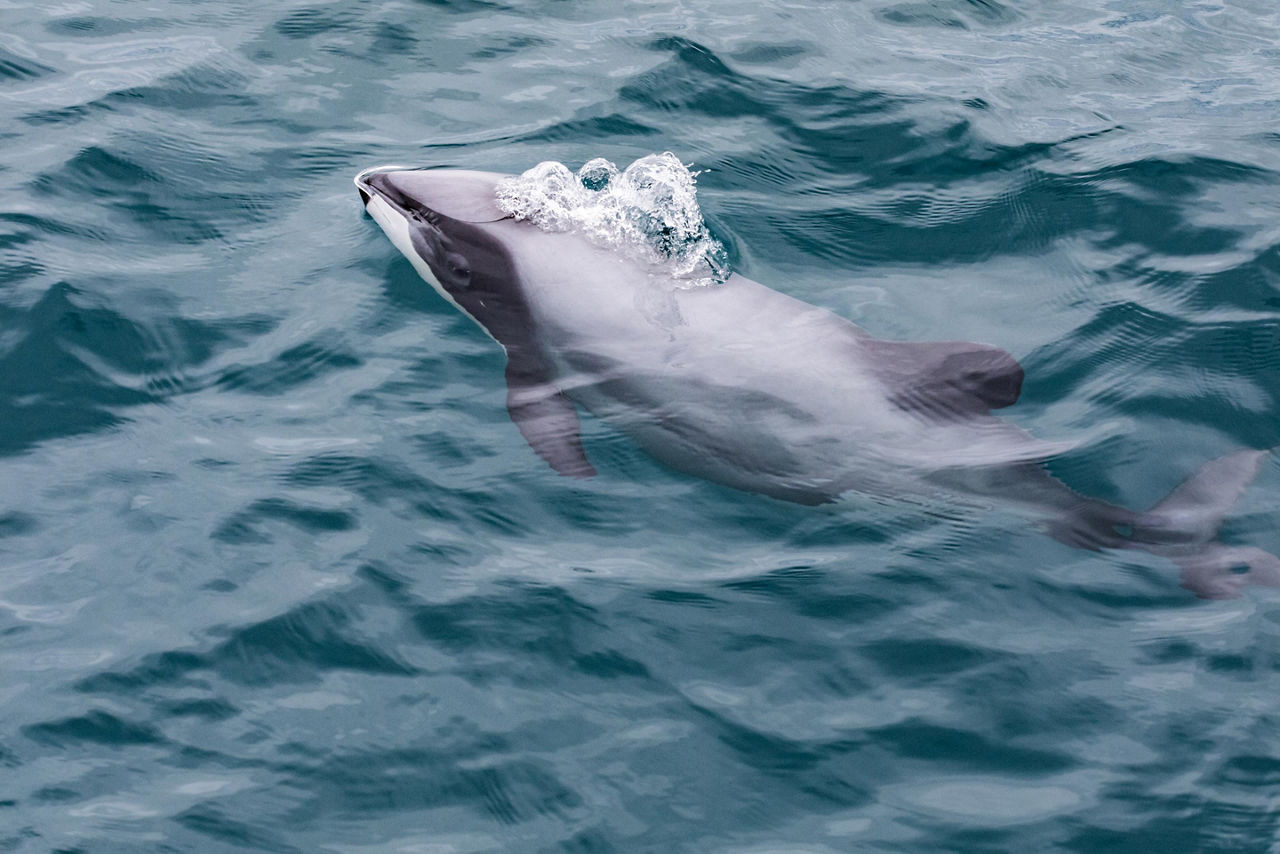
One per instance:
(649, 211)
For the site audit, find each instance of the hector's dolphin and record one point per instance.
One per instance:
(740, 384)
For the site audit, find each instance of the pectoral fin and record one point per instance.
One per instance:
(549, 423)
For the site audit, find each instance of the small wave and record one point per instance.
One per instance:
(648, 211)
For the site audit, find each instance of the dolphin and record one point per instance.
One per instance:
(746, 386)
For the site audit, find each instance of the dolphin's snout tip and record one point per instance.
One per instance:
(364, 180)
(362, 186)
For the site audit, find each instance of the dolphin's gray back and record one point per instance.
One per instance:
(747, 386)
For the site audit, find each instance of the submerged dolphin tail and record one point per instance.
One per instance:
(1219, 571)
(1184, 528)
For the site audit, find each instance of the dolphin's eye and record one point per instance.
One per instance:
(457, 265)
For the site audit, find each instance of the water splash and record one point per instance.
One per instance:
(648, 211)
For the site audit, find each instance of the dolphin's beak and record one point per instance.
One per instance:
(367, 181)
(455, 193)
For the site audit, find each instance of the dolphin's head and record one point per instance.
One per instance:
(437, 218)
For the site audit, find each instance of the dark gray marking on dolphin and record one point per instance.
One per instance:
(745, 386)
(948, 377)
(473, 269)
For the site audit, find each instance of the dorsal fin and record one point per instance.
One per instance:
(946, 378)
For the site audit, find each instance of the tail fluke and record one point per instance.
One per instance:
(1193, 512)
(1219, 571)
(1184, 528)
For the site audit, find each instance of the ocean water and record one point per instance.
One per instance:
(277, 573)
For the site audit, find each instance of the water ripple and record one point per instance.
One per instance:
(278, 573)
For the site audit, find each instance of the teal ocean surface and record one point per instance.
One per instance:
(278, 573)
